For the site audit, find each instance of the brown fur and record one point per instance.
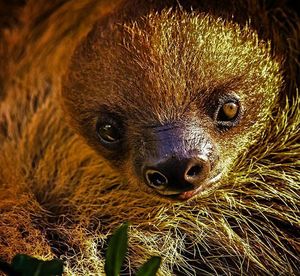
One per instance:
(150, 82)
(59, 198)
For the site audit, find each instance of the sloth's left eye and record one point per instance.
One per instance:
(109, 131)
(228, 111)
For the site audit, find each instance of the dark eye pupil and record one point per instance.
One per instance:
(108, 133)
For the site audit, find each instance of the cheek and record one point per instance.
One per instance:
(232, 146)
(116, 158)
(129, 174)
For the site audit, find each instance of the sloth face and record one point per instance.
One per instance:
(172, 100)
(176, 159)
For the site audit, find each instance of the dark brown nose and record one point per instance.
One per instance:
(177, 175)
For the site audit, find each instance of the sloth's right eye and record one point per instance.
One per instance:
(109, 131)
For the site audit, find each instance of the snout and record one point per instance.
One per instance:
(177, 161)
(176, 175)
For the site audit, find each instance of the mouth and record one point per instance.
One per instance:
(183, 196)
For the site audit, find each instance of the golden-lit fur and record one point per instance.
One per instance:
(60, 198)
(175, 63)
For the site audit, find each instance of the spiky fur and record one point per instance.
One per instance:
(59, 198)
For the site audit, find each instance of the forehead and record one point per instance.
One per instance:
(165, 61)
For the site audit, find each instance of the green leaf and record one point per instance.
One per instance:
(150, 268)
(116, 251)
(29, 266)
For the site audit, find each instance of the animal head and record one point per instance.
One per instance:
(172, 99)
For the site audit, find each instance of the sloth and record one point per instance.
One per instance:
(199, 111)
(182, 118)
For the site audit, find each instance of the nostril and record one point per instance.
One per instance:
(156, 179)
(197, 170)
(194, 171)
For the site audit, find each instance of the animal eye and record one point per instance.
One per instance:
(228, 111)
(109, 131)
(228, 114)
